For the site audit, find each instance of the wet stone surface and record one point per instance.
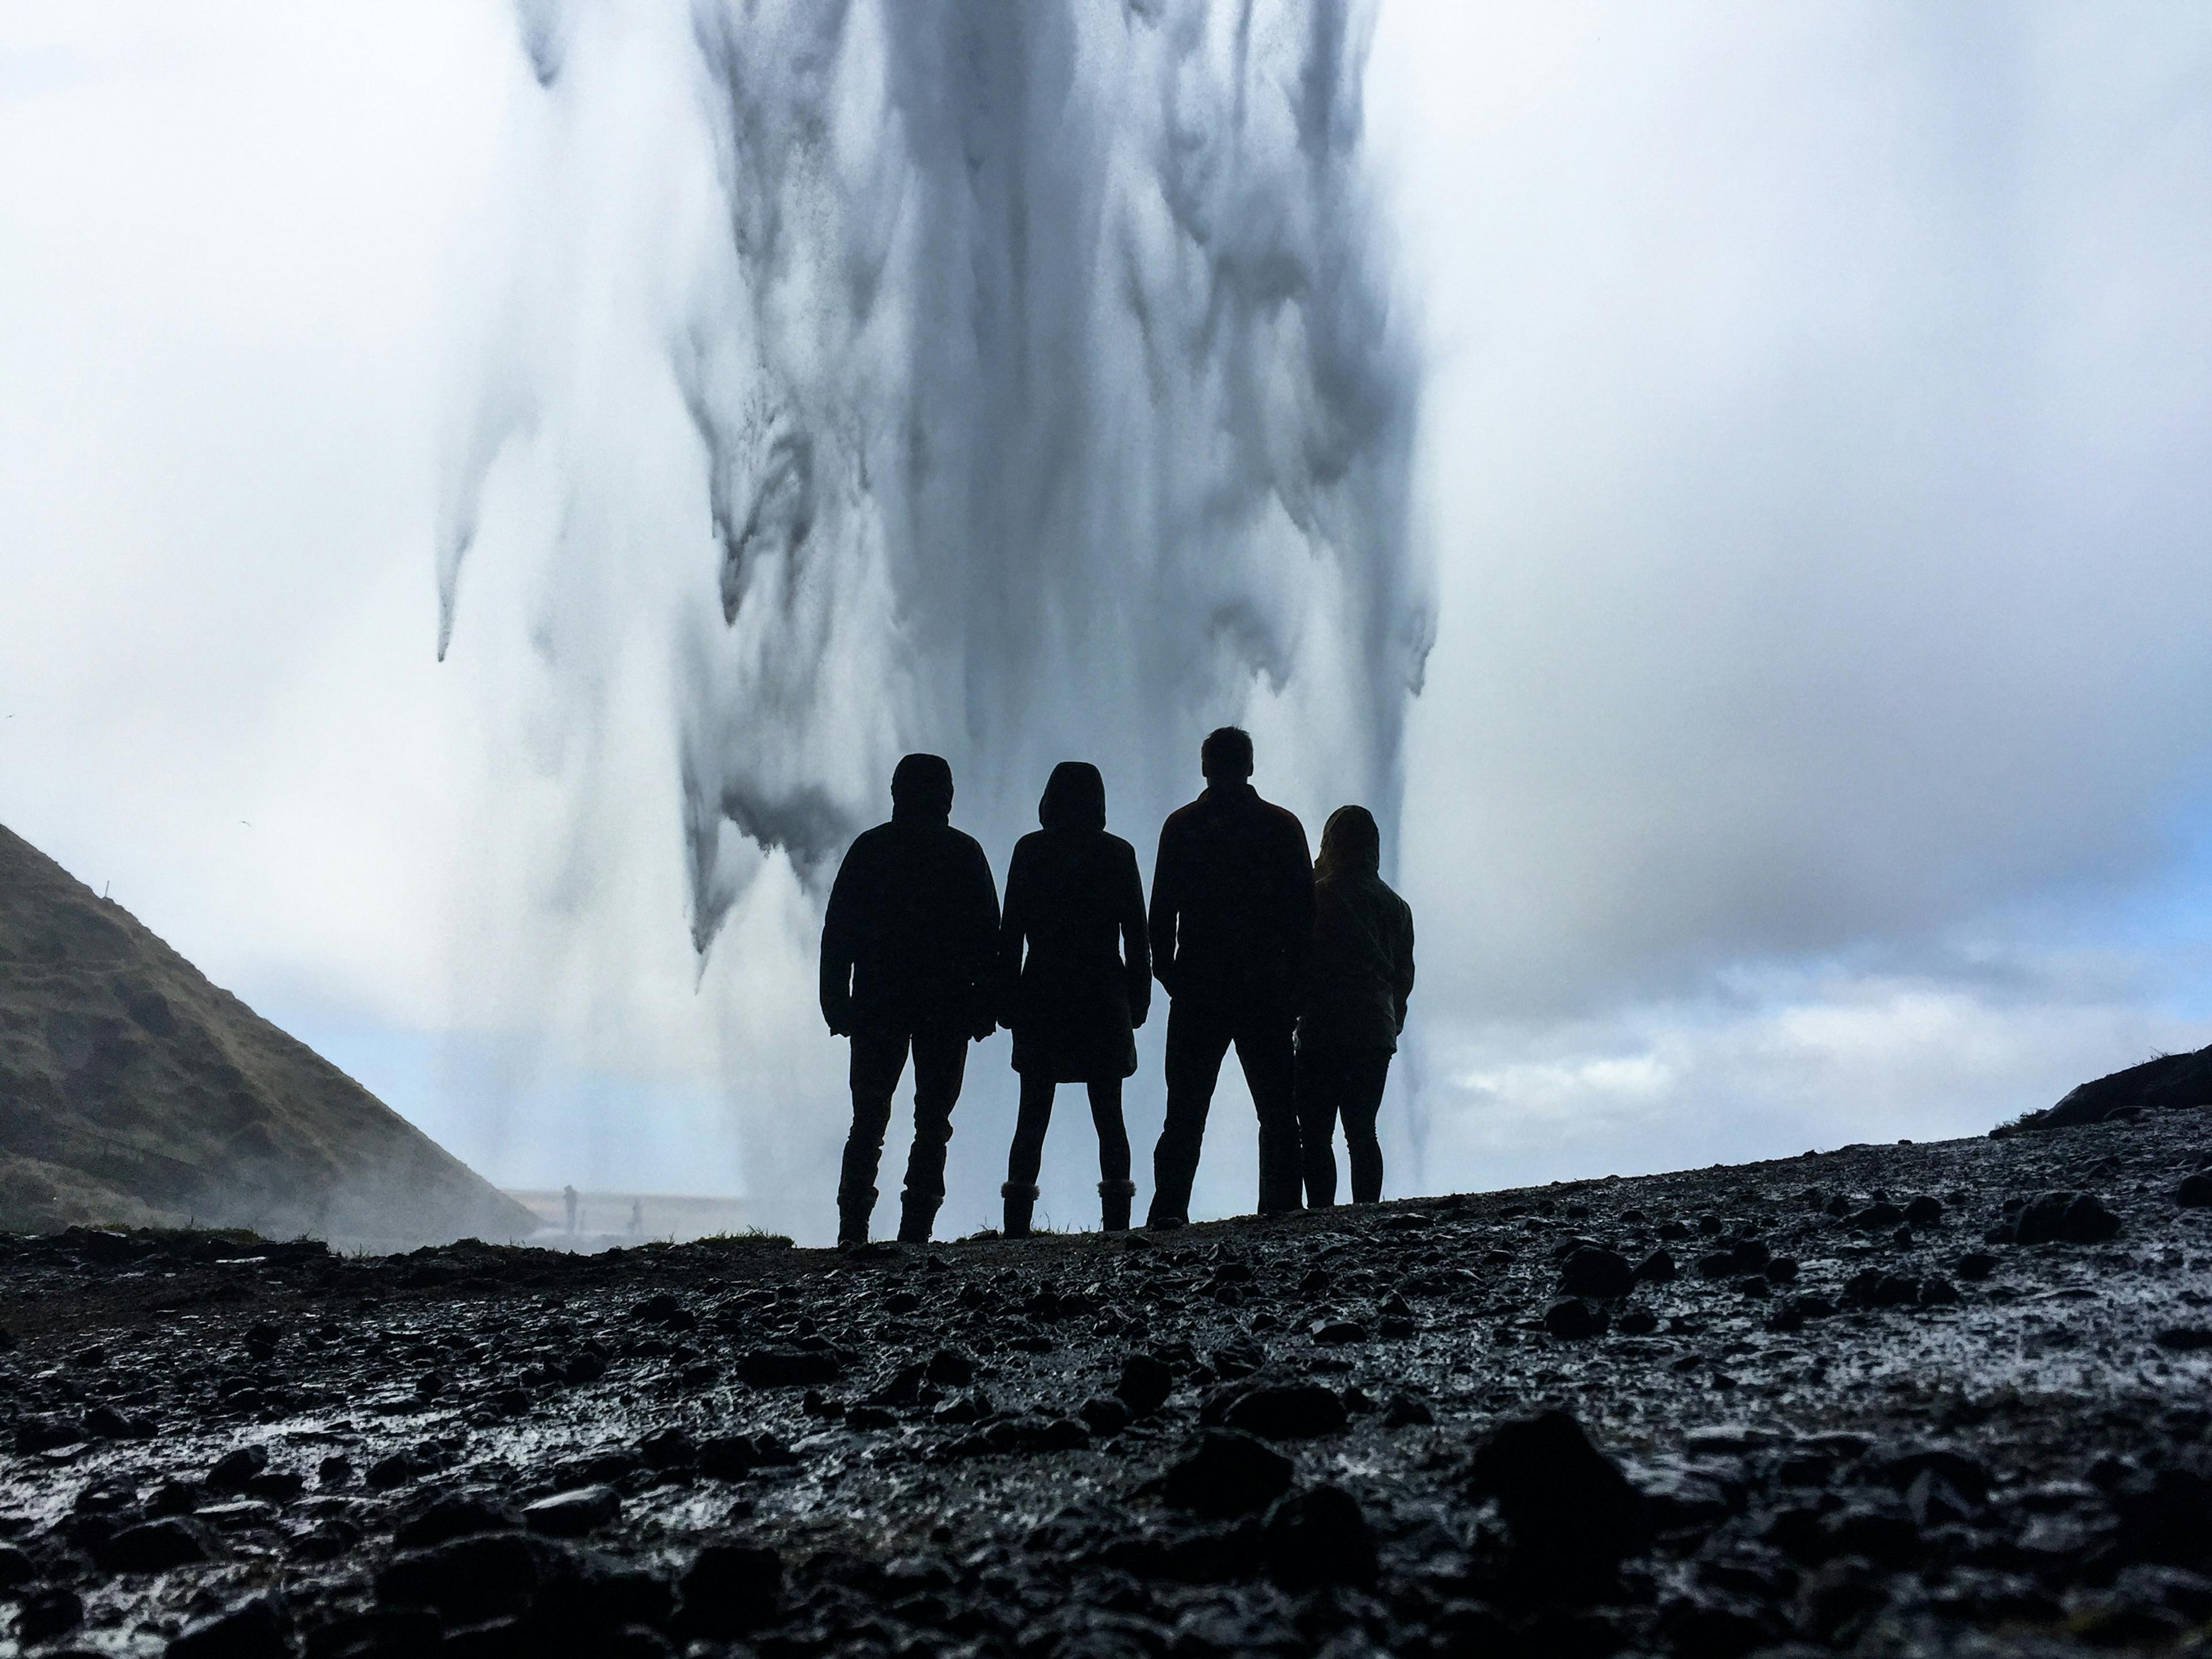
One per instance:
(1950, 1398)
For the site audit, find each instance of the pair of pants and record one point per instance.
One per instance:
(941, 1061)
(1028, 1154)
(1347, 1084)
(1198, 1040)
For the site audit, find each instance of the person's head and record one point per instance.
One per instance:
(921, 788)
(1074, 798)
(1225, 757)
(1349, 844)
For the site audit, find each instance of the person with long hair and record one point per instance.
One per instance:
(1359, 974)
(1079, 972)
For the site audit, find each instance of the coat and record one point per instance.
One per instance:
(1361, 969)
(1072, 954)
(910, 938)
(1233, 906)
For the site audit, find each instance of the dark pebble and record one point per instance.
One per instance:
(1288, 1411)
(1319, 1537)
(1146, 1380)
(1228, 1475)
(151, 1546)
(1594, 1271)
(2065, 1218)
(254, 1629)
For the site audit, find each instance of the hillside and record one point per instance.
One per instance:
(134, 1092)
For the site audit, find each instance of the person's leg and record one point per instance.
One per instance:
(1115, 1189)
(1196, 1043)
(1317, 1087)
(877, 1062)
(940, 1059)
(1269, 1068)
(1364, 1078)
(1027, 1154)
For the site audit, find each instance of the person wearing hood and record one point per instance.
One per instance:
(1359, 974)
(908, 945)
(1078, 973)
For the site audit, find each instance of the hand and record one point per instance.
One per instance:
(984, 1026)
(837, 1015)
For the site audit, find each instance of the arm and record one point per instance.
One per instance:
(1297, 909)
(1404, 963)
(1167, 899)
(1013, 925)
(838, 947)
(984, 944)
(1136, 949)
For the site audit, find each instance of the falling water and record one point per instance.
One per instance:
(1040, 395)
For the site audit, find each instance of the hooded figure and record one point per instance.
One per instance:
(1078, 973)
(1359, 974)
(908, 944)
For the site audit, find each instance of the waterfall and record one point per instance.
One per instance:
(1018, 380)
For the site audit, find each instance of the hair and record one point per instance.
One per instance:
(1226, 754)
(1349, 844)
(1074, 798)
(922, 784)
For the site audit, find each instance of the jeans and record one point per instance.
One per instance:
(941, 1061)
(1350, 1084)
(1198, 1040)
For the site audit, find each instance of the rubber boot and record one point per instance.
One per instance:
(1021, 1204)
(853, 1210)
(1114, 1198)
(916, 1217)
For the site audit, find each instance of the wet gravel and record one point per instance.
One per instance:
(1947, 1399)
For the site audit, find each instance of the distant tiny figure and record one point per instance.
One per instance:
(909, 945)
(1075, 900)
(637, 1215)
(1231, 921)
(1358, 979)
(568, 1199)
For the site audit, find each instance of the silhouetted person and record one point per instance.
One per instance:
(1231, 921)
(568, 1198)
(1074, 899)
(1358, 978)
(908, 948)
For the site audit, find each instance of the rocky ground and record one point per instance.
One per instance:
(1887, 1400)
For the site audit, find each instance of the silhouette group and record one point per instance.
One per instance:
(1303, 966)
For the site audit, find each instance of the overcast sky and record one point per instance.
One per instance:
(1813, 456)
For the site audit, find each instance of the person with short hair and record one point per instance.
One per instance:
(1357, 977)
(909, 943)
(1231, 921)
(1078, 971)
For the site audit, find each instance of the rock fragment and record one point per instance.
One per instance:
(2064, 1217)
(1229, 1473)
(1571, 1513)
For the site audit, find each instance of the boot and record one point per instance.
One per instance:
(1114, 1198)
(853, 1210)
(1021, 1203)
(916, 1215)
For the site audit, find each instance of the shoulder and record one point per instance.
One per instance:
(1282, 822)
(965, 846)
(868, 846)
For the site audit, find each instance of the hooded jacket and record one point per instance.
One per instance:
(1361, 969)
(1073, 950)
(909, 938)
